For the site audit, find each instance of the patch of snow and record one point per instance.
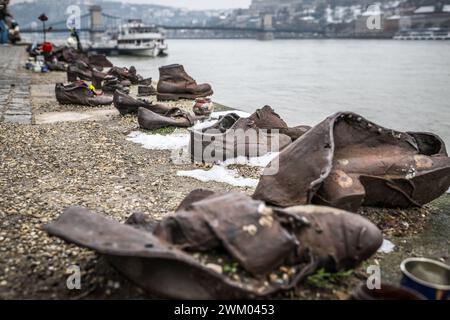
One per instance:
(425, 9)
(386, 247)
(220, 174)
(448, 191)
(373, 10)
(202, 125)
(172, 141)
(262, 161)
(446, 8)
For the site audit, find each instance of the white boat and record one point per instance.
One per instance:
(427, 34)
(133, 38)
(138, 39)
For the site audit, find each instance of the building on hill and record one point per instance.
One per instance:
(271, 6)
(426, 17)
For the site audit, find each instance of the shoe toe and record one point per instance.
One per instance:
(204, 87)
(368, 239)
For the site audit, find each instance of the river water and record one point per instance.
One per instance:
(404, 85)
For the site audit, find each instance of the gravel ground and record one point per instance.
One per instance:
(45, 168)
(48, 167)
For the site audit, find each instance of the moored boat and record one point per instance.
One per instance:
(133, 38)
(137, 38)
(427, 34)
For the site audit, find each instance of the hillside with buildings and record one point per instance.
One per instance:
(345, 18)
(296, 18)
(149, 13)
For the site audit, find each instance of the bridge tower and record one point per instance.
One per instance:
(267, 28)
(96, 23)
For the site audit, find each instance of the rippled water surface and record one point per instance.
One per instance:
(404, 85)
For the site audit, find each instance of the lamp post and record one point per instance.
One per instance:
(43, 18)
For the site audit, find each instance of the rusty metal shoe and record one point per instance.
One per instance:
(146, 82)
(79, 93)
(129, 105)
(267, 118)
(233, 137)
(54, 65)
(99, 61)
(165, 272)
(111, 84)
(134, 77)
(176, 117)
(146, 91)
(71, 55)
(161, 257)
(335, 239)
(174, 84)
(125, 83)
(347, 161)
(125, 74)
(262, 238)
(80, 70)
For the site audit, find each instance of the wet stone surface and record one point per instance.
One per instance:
(15, 105)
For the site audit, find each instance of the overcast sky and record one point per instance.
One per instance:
(198, 4)
(191, 4)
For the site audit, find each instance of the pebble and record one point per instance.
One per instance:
(250, 229)
(273, 277)
(215, 267)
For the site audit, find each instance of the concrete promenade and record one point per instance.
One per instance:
(15, 81)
